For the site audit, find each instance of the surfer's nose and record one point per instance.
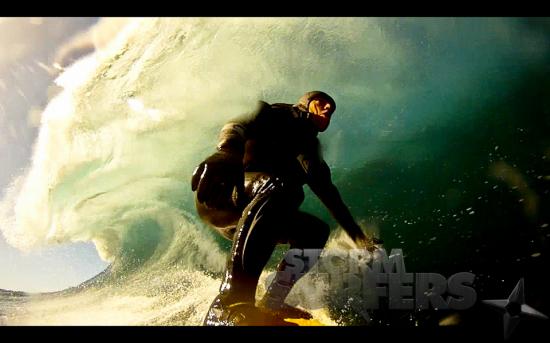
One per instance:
(327, 109)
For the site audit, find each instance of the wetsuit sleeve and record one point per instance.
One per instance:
(236, 132)
(216, 177)
(318, 177)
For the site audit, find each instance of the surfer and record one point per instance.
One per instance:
(250, 190)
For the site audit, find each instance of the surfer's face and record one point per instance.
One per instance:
(321, 110)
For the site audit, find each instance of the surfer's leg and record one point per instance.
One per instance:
(256, 237)
(307, 232)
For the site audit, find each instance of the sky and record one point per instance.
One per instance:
(29, 49)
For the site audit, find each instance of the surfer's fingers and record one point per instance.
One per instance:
(224, 199)
(205, 188)
(377, 240)
(226, 191)
(238, 181)
(197, 174)
(215, 197)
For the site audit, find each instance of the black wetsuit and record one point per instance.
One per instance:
(280, 152)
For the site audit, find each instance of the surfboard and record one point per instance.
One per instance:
(304, 322)
(246, 314)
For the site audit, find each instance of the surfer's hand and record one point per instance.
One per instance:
(216, 177)
(367, 242)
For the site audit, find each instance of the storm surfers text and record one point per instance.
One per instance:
(375, 276)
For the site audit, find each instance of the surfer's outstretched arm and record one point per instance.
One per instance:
(320, 182)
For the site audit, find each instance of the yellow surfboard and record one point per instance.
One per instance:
(304, 322)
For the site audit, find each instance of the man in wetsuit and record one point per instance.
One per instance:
(250, 190)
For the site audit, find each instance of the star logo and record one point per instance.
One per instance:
(514, 309)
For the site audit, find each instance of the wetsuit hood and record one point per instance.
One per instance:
(303, 103)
